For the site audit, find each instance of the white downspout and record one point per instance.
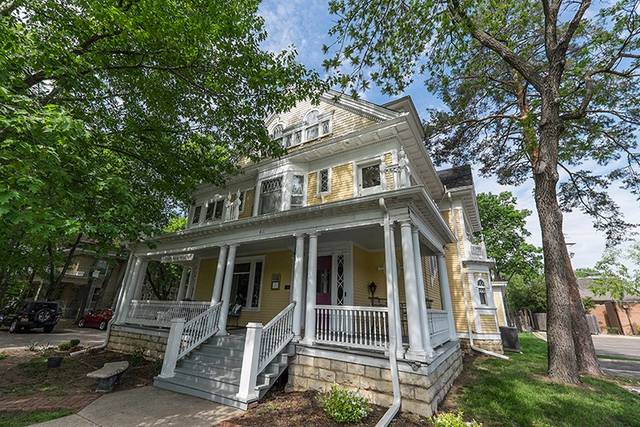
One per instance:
(393, 361)
(464, 295)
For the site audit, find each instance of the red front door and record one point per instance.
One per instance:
(323, 280)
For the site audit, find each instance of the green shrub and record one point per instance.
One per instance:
(614, 330)
(65, 346)
(344, 406)
(452, 419)
(74, 342)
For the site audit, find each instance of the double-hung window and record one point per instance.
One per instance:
(196, 215)
(215, 209)
(297, 191)
(270, 196)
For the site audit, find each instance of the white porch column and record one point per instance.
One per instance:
(193, 276)
(393, 297)
(131, 287)
(312, 268)
(446, 295)
(422, 299)
(217, 282)
(139, 279)
(226, 289)
(183, 283)
(414, 322)
(124, 290)
(298, 271)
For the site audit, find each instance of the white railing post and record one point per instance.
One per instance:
(250, 360)
(173, 348)
(446, 295)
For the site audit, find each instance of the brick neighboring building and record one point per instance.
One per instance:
(622, 316)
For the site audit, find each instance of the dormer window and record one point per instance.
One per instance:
(316, 124)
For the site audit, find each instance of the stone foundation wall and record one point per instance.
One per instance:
(130, 340)
(491, 345)
(421, 391)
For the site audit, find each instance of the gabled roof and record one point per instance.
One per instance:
(459, 181)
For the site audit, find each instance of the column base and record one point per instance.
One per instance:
(420, 355)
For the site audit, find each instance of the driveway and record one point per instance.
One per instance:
(61, 333)
(147, 406)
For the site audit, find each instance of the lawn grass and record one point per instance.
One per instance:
(23, 418)
(517, 393)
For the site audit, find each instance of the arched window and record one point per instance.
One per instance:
(277, 131)
(312, 117)
(482, 291)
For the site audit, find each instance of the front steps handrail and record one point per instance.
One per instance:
(186, 336)
(262, 345)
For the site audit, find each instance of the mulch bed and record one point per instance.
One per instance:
(26, 384)
(280, 409)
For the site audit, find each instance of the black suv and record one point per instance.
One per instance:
(34, 314)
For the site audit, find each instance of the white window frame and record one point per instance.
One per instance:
(283, 195)
(193, 215)
(486, 292)
(215, 200)
(302, 127)
(370, 190)
(304, 189)
(433, 270)
(253, 260)
(319, 181)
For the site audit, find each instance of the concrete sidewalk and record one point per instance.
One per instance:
(147, 406)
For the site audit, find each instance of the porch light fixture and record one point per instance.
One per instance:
(372, 289)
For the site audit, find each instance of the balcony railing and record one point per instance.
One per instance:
(476, 252)
(160, 313)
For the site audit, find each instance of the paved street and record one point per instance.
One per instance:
(616, 345)
(61, 333)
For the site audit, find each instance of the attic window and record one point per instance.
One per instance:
(277, 131)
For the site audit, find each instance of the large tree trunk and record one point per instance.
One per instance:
(585, 351)
(562, 357)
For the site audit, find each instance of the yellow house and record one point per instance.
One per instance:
(348, 260)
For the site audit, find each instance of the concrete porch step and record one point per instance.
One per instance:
(221, 397)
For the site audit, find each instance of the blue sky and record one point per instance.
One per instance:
(304, 24)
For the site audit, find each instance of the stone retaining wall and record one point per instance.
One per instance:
(129, 340)
(421, 391)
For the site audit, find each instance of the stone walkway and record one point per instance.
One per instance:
(147, 406)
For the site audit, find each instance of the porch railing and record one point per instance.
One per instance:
(262, 344)
(160, 313)
(438, 327)
(185, 336)
(275, 336)
(352, 326)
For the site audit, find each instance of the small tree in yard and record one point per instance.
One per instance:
(535, 89)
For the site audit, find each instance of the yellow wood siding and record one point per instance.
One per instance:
(488, 323)
(272, 300)
(367, 267)
(454, 271)
(388, 160)
(341, 185)
(500, 309)
(249, 197)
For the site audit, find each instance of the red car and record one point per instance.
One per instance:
(96, 319)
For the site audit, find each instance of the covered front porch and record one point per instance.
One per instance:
(340, 276)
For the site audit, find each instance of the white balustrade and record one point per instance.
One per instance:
(262, 344)
(438, 327)
(160, 313)
(352, 326)
(184, 336)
